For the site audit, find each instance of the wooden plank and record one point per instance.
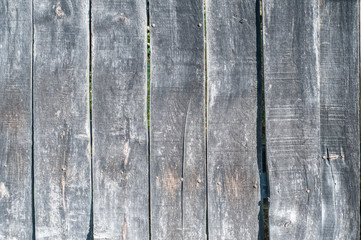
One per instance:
(233, 168)
(177, 126)
(292, 96)
(15, 120)
(339, 94)
(120, 144)
(61, 119)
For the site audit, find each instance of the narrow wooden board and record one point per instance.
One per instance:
(292, 97)
(120, 144)
(62, 166)
(177, 126)
(339, 94)
(15, 119)
(233, 167)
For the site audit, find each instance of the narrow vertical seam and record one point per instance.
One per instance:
(148, 113)
(90, 235)
(206, 110)
(32, 120)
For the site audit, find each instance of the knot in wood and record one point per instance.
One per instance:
(59, 12)
(122, 17)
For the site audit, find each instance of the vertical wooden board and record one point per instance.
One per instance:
(177, 126)
(339, 89)
(233, 171)
(120, 145)
(15, 120)
(61, 119)
(292, 97)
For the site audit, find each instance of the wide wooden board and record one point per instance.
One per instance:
(62, 166)
(120, 144)
(292, 100)
(339, 131)
(234, 168)
(312, 86)
(177, 126)
(15, 120)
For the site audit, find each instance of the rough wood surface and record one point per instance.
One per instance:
(15, 120)
(177, 132)
(292, 96)
(311, 86)
(61, 119)
(120, 144)
(233, 170)
(339, 89)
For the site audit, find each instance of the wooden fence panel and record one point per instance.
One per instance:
(311, 71)
(177, 126)
(62, 163)
(292, 118)
(15, 120)
(339, 131)
(311, 91)
(233, 171)
(120, 145)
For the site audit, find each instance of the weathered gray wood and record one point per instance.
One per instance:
(233, 172)
(177, 132)
(120, 147)
(61, 119)
(15, 120)
(292, 97)
(339, 89)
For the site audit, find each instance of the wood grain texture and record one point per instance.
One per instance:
(15, 119)
(339, 131)
(61, 119)
(120, 145)
(311, 82)
(292, 97)
(177, 126)
(233, 171)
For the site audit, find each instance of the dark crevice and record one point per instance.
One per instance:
(32, 125)
(148, 116)
(259, 117)
(261, 130)
(90, 235)
(265, 195)
(359, 103)
(266, 219)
